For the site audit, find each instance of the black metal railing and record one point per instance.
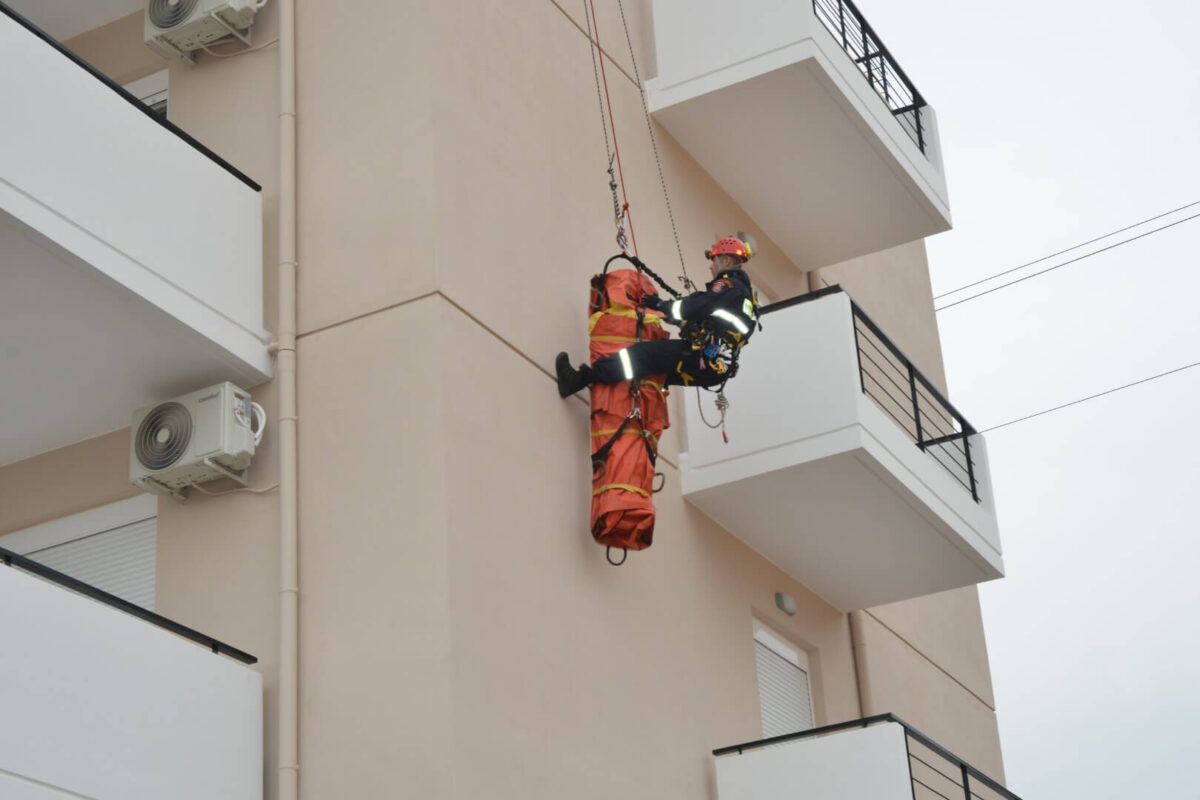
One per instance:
(11, 559)
(850, 28)
(899, 389)
(159, 119)
(933, 770)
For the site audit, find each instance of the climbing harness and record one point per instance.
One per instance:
(721, 350)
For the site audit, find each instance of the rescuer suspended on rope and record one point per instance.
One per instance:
(714, 326)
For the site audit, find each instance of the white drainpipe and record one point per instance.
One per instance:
(285, 375)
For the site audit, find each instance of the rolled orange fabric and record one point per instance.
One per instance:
(622, 485)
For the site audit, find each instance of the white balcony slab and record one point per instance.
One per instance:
(865, 764)
(819, 480)
(130, 261)
(100, 704)
(782, 118)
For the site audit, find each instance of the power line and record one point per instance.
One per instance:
(1065, 263)
(1094, 396)
(1067, 250)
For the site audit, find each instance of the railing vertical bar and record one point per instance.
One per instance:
(970, 465)
(920, 130)
(866, 52)
(912, 386)
(862, 381)
(912, 780)
(966, 782)
(842, 21)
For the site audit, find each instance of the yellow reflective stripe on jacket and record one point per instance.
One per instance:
(721, 313)
(625, 486)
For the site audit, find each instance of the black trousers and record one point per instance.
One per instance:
(673, 357)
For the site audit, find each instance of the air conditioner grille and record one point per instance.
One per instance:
(169, 13)
(163, 436)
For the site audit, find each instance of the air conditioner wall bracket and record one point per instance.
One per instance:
(241, 477)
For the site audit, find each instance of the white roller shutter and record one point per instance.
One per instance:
(784, 694)
(112, 548)
(119, 561)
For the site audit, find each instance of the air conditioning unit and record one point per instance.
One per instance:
(195, 438)
(177, 28)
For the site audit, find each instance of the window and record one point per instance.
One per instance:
(151, 90)
(113, 548)
(784, 694)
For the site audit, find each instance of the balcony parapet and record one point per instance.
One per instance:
(850, 28)
(806, 120)
(98, 703)
(11, 559)
(903, 392)
(845, 466)
(175, 130)
(876, 758)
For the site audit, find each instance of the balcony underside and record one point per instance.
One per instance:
(846, 527)
(79, 351)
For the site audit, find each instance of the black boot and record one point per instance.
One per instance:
(570, 380)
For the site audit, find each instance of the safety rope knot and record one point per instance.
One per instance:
(722, 404)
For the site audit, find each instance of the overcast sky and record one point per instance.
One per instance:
(1062, 120)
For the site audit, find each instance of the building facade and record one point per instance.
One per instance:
(459, 633)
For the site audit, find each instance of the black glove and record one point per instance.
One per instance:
(652, 302)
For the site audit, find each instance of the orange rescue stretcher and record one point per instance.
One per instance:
(628, 418)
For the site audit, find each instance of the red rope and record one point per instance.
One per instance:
(613, 127)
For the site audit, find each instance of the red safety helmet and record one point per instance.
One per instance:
(730, 246)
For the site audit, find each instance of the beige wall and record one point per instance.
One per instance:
(109, 49)
(461, 634)
(64, 482)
